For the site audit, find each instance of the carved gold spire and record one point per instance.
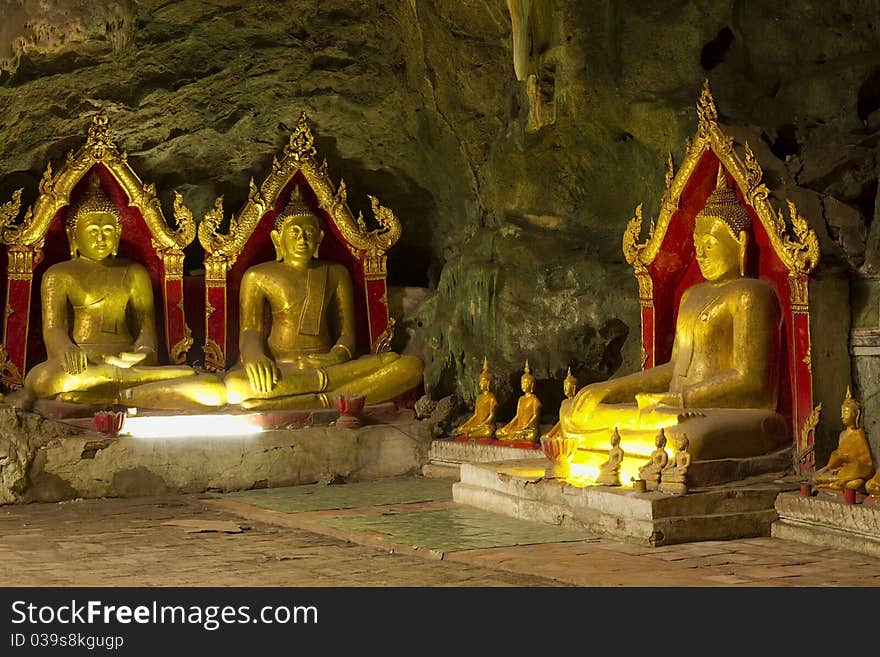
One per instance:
(798, 249)
(299, 156)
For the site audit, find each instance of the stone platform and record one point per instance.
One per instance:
(447, 455)
(43, 459)
(826, 520)
(519, 489)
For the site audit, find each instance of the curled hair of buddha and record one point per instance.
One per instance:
(94, 201)
(295, 207)
(723, 204)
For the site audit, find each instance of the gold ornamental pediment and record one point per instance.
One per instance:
(56, 187)
(794, 242)
(299, 157)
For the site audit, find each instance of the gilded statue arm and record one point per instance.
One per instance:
(56, 333)
(261, 370)
(755, 319)
(145, 343)
(623, 389)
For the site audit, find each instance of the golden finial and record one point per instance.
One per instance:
(526, 370)
(485, 374)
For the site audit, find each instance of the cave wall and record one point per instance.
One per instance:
(513, 139)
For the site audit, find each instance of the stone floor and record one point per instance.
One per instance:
(401, 532)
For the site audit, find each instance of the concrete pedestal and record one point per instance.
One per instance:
(50, 460)
(828, 521)
(519, 489)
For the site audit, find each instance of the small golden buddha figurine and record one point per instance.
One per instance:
(872, 486)
(482, 423)
(850, 464)
(569, 389)
(524, 425)
(659, 460)
(721, 382)
(609, 472)
(569, 385)
(99, 326)
(306, 353)
(673, 478)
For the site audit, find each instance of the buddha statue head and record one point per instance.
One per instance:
(297, 235)
(527, 382)
(485, 379)
(569, 385)
(721, 234)
(850, 410)
(93, 225)
(615, 437)
(660, 439)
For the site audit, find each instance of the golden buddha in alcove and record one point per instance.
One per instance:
(850, 464)
(99, 325)
(721, 382)
(301, 351)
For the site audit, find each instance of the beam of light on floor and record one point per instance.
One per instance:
(207, 426)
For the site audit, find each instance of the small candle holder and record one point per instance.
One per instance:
(109, 423)
(560, 451)
(349, 407)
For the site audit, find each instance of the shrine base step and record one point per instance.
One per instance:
(519, 489)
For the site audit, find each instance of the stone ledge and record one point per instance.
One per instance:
(825, 536)
(861, 518)
(47, 460)
(518, 489)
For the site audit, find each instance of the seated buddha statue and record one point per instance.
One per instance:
(482, 423)
(99, 326)
(524, 425)
(673, 478)
(609, 472)
(850, 465)
(721, 382)
(659, 460)
(297, 337)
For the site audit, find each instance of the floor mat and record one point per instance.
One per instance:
(457, 529)
(321, 497)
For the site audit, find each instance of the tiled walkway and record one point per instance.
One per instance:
(403, 532)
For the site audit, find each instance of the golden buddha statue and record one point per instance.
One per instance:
(872, 486)
(673, 478)
(569, 385)
(111, 343)
(722, 380)
(306, 353)
(524, 425)
(659, 460)
(482, 423)
(850, 464)
(609, 472)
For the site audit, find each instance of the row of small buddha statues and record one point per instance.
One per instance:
(99, 327)
(524, 426)
(850, 465)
